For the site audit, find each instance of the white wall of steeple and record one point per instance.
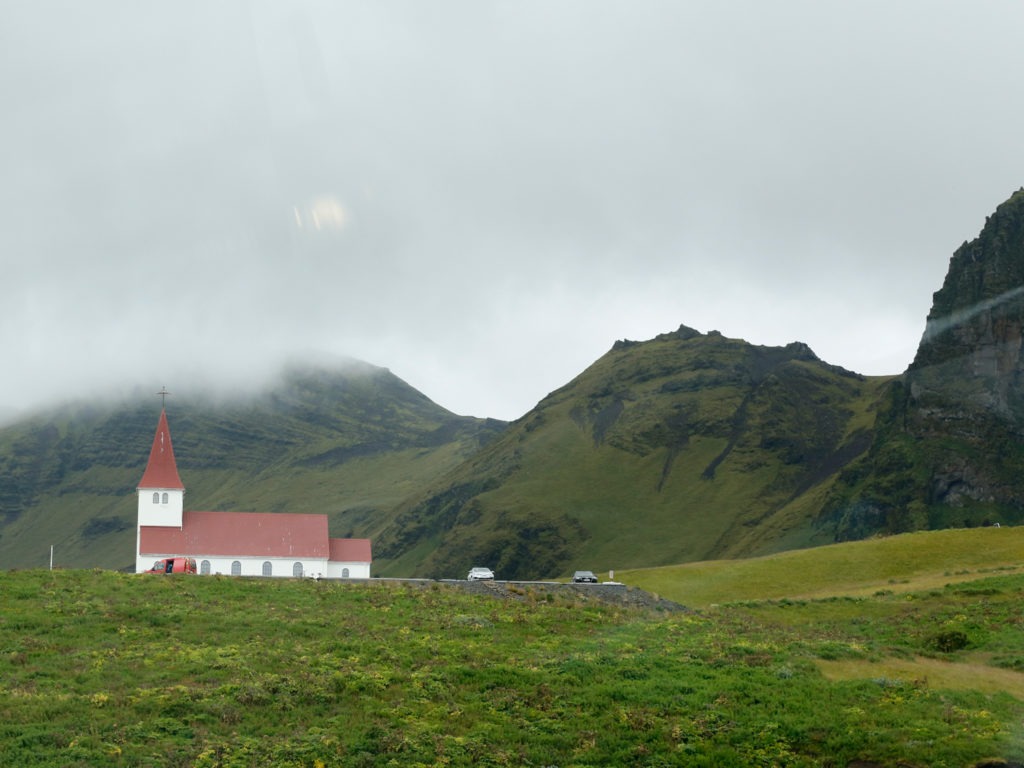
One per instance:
(161, 506)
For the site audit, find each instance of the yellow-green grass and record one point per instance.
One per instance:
(906, 562)
(935, 673)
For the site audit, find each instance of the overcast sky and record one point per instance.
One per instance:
(481, 195)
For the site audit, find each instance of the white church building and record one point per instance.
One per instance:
(236, 543)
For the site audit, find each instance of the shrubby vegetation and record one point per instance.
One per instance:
(100, 668)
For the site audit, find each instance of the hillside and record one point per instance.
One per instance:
(686, 447)
(350, 442)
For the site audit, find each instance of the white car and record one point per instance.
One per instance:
(480, 573)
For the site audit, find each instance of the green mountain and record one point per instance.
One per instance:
(351, 443)
(686, 447)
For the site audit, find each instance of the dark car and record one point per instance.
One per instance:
(584, 577)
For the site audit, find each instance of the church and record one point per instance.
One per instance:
(236, 543)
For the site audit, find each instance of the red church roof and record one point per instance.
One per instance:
(240, 534)
(161, 471)
(350, 551)
(252, 534)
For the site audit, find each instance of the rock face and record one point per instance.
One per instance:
(966, 384)
(968, 370)
(948, 450)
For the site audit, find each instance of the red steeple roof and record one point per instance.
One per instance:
(161, 471)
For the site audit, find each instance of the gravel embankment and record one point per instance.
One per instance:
(619, 594)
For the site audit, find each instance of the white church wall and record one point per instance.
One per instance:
(339, 570)
(289, 567)
(286, 567)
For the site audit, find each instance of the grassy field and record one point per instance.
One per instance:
(912, 561)
(101, 668)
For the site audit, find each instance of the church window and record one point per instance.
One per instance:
(204, 567)
(236, 568)
(164, 499)
(156, 497)
(297, 569)
(344, 573)
(268, 569)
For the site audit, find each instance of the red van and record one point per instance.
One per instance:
(174, 565)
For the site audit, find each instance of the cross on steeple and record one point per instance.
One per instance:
(163, 396)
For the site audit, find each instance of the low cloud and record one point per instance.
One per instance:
(483, 197)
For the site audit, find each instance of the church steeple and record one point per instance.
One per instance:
(161, 471)
(161, 495)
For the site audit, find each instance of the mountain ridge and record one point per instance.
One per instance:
(683, 447)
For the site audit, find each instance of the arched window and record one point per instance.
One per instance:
(268, 569)
(164, 499)
(344, 573)
(156, 497)
(236, 568)
(297, 569)
(204, 567)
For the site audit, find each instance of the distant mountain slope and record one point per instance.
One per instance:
(351, 443)
(950, 445)
(689, 446)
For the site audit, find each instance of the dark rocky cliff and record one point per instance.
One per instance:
(965, 388)
(949, 449)
(968, 368)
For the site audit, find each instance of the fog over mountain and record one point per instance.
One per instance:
(483, 196)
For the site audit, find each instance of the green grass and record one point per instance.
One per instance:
(100, 668)
(905, 562)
